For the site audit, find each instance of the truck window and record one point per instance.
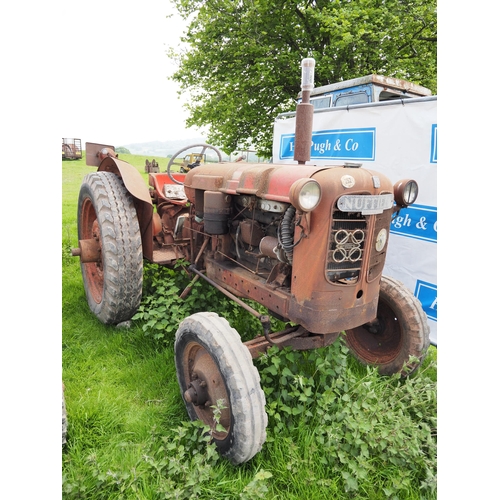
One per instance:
(321, 102)
(389, 96)
(347, 100)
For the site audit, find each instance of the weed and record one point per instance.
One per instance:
(162, 309)
(365, 427)
(217, 412)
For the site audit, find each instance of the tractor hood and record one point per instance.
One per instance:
(273, 182)
(267, 181)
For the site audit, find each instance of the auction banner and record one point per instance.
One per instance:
(398, 139)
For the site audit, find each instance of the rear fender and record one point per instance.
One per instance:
(135, 185)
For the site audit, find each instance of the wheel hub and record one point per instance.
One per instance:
(377, 326)
(205, 387)
(378, 341)
(197, 393)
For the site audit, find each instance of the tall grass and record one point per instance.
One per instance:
(336, 428)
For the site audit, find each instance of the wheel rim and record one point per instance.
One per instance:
(93, 271)
(381, 346)
(205, 388)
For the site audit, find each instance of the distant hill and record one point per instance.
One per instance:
(161, 149)
(164, 149)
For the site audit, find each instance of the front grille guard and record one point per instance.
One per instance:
(346, 246)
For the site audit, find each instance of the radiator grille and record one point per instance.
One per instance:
(346, 247)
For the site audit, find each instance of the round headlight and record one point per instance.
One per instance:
(381, 240)
(305, 194)
(405, 192)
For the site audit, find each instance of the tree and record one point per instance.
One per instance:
(122, 150)
(242, 64)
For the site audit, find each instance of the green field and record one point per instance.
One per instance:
(337, 430)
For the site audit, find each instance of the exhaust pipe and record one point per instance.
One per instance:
(304, 115)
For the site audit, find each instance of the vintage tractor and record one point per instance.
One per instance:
(151, 167)
(307, 242)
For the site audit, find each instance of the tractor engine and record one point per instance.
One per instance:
(263, 233)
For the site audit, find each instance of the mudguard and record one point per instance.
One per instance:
(131, 177)
(135, 185)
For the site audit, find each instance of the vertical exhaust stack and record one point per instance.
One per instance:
(304, 116)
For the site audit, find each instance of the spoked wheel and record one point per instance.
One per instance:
(220, 385)
(400, 331)
(177, 159)
(108, 229)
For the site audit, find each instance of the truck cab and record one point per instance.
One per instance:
(369, 88)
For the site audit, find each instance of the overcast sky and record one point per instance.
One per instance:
(115, 72)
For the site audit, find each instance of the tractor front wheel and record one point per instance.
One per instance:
(399, 332)
(220, 385)
(107, 218)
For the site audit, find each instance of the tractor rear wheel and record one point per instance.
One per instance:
(220, 385)
(107, 216)
(400, 331)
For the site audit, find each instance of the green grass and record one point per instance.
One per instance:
(336, 429)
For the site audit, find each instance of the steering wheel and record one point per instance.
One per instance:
(178, 158)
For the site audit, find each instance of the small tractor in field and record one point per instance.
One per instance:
(307, 242)
(185, 162)
(191, 161)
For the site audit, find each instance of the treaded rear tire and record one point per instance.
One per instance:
(227, 369)
(403, 332)
(106, 212)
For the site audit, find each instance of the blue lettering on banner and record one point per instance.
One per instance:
(416, 221)
(343, 144)
(434, 143)
(427, 294)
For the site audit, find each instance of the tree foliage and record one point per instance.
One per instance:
(242, 61)
(122, 150)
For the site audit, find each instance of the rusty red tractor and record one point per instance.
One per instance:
(307, 242)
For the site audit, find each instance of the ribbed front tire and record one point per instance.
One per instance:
(401, 332)
(220, 385)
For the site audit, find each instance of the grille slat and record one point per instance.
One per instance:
(346, 246)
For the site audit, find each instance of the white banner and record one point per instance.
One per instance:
(398, 139)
